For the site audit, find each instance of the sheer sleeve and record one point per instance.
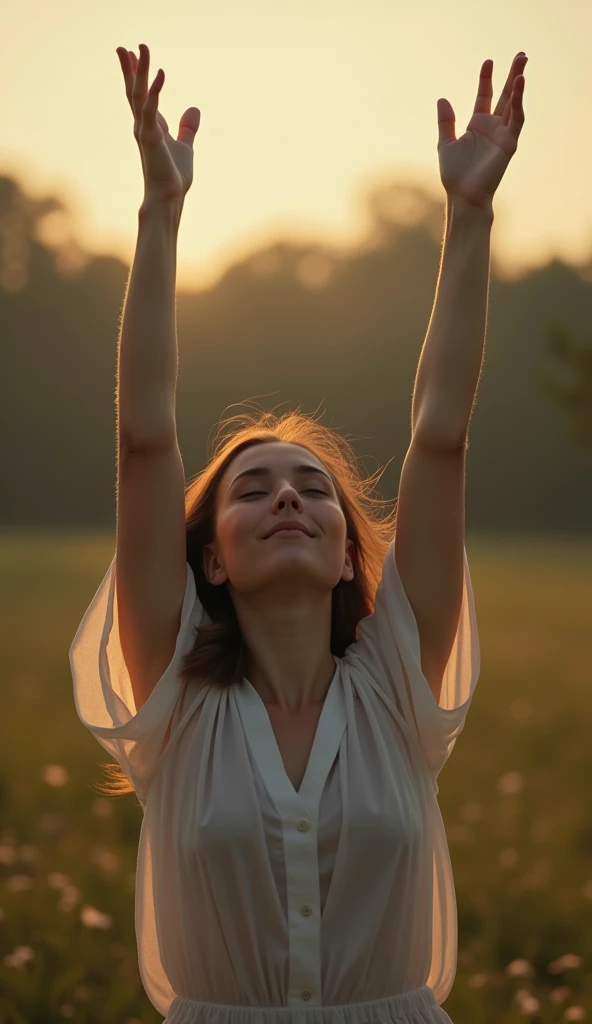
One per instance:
(102, 687)
(388, 646)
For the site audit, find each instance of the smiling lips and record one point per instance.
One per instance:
(287, 525)
(289, 533)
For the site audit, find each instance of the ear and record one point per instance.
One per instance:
(214, 571)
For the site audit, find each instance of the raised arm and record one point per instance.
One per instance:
(147, 355)
(151, 561)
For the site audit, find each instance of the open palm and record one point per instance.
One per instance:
(473, 166)
(167, 162)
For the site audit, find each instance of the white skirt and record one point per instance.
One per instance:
(417, 1006)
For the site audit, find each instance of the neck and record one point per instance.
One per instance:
(296, 699)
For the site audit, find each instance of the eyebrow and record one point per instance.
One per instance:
(266, 471)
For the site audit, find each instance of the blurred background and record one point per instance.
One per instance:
(308, 260)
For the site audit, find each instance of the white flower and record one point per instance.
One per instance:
(510, 783)
(55, 775)
(520, 969)
(93, 918)
(18, 883)
(19, 957)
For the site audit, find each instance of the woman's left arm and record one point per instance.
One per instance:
(471, 169)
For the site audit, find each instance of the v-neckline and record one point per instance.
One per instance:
(265, 749)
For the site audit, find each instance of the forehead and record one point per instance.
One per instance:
(278, 455)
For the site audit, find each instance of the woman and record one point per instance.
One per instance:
(279, 679)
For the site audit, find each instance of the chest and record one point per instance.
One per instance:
(295, 737)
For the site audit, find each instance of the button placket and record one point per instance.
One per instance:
(304, 925)
(298, 812)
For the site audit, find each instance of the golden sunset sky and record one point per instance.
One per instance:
(304, 106)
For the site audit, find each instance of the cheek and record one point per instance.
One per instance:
(240, 522)
(335, 520)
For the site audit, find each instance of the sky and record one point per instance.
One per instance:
(304, 107)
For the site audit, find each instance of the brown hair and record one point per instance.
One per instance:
(218, 655)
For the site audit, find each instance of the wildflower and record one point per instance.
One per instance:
(55, 775)
(508, 857)
(477, 980)
(510, 783)
(520, 969)
(70, 896)
(19, 883)
(93, 918)
(102, 808)
(107, 860)
(7, 854)
(20, 956)
(472, 811)
(574, 1013)
(57, 880)
(566, 962)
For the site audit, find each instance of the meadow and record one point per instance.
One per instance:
(515, 796)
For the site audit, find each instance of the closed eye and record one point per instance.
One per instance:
(249, 494)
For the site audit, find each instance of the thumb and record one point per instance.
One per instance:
(446, 122)
(188, 125)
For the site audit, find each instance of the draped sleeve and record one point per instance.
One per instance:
(388, 646)
(102, 688)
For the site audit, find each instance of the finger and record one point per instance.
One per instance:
(188, 125)
(446, 122)
(515, 120)
(518, 65)
(485, 90)
(151, 105)
(140, 86)
(127, 70)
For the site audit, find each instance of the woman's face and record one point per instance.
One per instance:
(248, 506)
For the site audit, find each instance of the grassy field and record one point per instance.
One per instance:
(515, 797)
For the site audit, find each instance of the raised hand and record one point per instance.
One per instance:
(473, 166)
(167, 163)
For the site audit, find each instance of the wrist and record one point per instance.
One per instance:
(166, 211)
(460, 207)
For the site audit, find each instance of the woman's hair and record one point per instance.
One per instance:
(218, 654)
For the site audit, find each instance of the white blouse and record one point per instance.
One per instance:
(250, 893)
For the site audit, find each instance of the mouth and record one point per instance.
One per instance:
(288, 531)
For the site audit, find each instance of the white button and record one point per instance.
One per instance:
(303, 825)
(305, 910)
(305, 993)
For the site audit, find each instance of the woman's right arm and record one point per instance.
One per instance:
(147, 356)
(152, 575)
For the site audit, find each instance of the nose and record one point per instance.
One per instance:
(288, 494)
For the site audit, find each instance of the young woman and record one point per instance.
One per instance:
(281, 673)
